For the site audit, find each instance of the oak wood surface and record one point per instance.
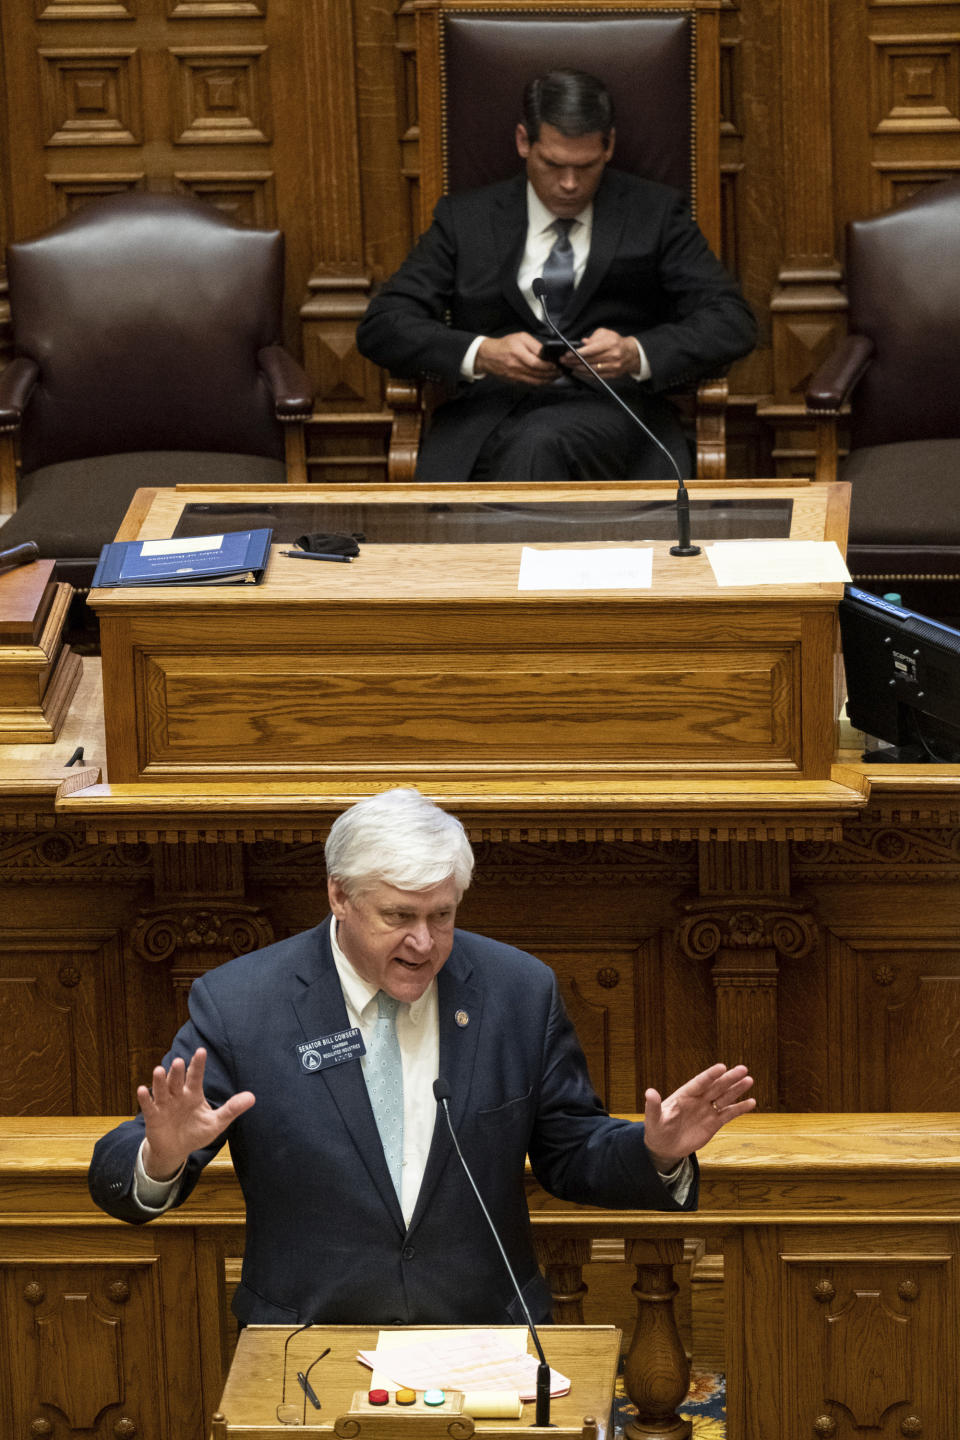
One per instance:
(587, 1355)
(45, 1159)
(25, 595)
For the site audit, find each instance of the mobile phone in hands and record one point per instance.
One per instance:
(554, 350)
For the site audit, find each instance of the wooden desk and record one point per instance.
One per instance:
(587, 1355)
(425, 664)
(841, 1241)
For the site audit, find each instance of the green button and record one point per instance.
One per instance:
(433, 1397)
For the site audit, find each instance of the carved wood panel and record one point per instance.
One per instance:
(602, 985)
(901, 111)
(63, 1037)
(91, 1339)
(829, 968)
(894, 1306)
(895, 1020)
(202, 97)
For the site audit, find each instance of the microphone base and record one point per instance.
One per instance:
(685, 550)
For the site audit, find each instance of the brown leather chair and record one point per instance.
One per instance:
(662, 69)
(146, 340)
(899, 369)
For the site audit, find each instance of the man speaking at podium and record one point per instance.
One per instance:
(316, 1059)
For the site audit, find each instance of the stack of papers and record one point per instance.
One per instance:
(458, 1360)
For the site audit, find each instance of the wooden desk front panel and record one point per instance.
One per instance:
(416, 691)
(102, 1330)
(842, 1331)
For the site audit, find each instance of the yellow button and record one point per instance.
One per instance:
(406, 1397)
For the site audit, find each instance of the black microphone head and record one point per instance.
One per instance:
(441, 1090)
(538, 288)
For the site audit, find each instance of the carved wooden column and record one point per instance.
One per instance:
(745, 920)
(656, 1373)
(348, 102)
(563, 1259)
(808, 306)
(200, 919)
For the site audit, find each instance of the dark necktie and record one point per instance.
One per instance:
(558, 270)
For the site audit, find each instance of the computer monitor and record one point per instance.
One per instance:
(903, 679)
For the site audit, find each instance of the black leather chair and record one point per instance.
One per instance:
(899, 370)
(662, 69)
(146, 340)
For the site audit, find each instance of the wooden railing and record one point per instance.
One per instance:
(841, 1241)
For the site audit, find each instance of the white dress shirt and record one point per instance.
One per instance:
(541, 237)
(418, 1034)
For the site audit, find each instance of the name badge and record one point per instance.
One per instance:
(329, 1050)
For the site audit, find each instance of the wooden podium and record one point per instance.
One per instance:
(38, 672)
(422, 663)
(588, 1354)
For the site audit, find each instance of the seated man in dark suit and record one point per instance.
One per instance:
(316, 1058)
(628, 274)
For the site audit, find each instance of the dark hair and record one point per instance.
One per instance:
(572, 101)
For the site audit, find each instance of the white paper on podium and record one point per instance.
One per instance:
(477, 1359)
(777, 562)
(612, 568)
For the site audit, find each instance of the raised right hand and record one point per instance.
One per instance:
(178, 1117)
(514, 357)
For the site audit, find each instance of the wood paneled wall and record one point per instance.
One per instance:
(830, 967)
(303, 114)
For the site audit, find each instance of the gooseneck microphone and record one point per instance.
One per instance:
(683, 545)
(441, 1093)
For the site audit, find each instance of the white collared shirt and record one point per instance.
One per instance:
(541, 238)
(539, 242)
(418, 1034)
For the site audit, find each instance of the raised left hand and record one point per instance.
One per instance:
(612, 354)
(692, 1115)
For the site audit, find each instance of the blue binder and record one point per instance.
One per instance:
(237, 558)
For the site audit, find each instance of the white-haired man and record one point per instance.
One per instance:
(316, 1059)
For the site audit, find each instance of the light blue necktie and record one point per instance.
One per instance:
(558, 270)
(384, 1076)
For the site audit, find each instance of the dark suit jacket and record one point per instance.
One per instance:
(325, 1235)
(650, 273)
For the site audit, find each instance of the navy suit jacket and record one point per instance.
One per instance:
(650, 273)
(325, 1237)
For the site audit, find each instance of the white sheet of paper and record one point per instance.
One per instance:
(181, 547)
(613, 568)
(478, 1359)
(777, 562)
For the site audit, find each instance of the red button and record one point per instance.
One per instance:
(378, 1397)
